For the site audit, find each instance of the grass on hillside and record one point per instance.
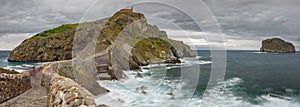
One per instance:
(60, 29)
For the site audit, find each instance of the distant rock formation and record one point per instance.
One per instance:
(277, 45)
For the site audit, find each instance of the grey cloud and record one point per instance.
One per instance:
(262, 17)
(241, 19)
(33, 16)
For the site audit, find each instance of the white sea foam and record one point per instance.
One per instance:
(196, 57)
(205, 62)
(28, 65)
(129, 92)
(125, 93)
(195, 62)
(226, 98)
(186, 62)
(5, 60)
(155, 90)
(19, 66)
(22, 67)
(13, 68)
(154, 66)
(257, 52)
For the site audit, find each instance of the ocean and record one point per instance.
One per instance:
(252, 79)
(17, 66)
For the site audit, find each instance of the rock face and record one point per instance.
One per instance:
(50, 45)
(277, 45)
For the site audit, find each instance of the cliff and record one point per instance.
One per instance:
(277, 45)
(50, 45)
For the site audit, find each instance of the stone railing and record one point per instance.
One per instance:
(84, 78)
(62, 68)
(12, 85)
(64, 92)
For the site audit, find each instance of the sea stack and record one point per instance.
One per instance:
(277, 45)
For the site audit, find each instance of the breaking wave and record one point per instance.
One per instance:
(126, 93)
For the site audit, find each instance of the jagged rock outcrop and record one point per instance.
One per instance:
(277, 45)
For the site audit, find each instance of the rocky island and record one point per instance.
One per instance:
(277, 45)
(83, 53)
(126, 38)
(56, 44)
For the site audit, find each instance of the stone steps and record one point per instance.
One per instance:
(104, 76)
(102, 69)
(102, 65)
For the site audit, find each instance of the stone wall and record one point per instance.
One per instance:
(84, 78)
(64, 92)
(12, 85)
(63, 68)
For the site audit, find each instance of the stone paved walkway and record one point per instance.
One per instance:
(34, 97)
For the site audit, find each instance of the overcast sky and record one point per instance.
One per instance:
(244, 23)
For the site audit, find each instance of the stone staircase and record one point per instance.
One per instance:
(102, 65)
(102, 61)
